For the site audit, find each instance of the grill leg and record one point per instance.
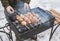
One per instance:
(19, 39)
(34, 37)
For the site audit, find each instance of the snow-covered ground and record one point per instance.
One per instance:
(45, 4)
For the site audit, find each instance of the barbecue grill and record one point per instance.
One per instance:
(47, 21)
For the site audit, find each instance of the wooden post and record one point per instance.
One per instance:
(56, 14)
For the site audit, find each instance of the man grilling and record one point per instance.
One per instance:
(11, 5)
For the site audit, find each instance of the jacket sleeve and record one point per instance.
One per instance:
(27, 1)
(5, 3)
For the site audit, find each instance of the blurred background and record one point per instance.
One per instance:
(44, 4)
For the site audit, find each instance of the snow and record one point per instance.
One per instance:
(45, 4)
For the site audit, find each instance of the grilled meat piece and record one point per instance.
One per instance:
(19, 18)
(30, 16)
(24, 23)
(37, 16)
(26, 19)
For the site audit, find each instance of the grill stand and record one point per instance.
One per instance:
(17, 39)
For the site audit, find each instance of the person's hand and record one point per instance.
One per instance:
(10, 9)
(26, 6)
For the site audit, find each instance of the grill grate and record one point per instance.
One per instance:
(25, 32)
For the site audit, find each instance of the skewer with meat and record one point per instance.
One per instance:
(19, 18)
(38, 20)
(31, 17)
(37, 16)
(34, 17)
(26, 19)
(25, 24)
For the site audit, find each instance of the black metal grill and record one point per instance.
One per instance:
(47, 21)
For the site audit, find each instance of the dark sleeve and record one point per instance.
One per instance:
(5, 3)
(27, 1)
